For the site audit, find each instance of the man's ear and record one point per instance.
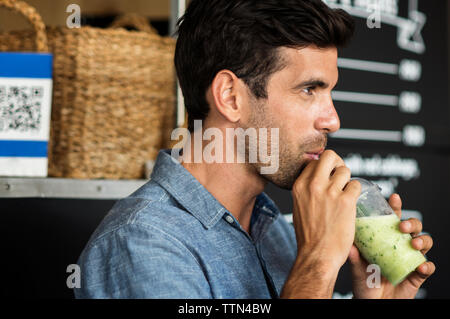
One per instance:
(227, 94)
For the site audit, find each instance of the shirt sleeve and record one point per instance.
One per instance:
(140, 261)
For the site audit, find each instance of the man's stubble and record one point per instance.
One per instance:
(291, 157)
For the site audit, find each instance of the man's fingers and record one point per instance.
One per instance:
(341, 177)
(421, 274)
(396, 204)
(358, 265)
(354, 256)
(309, 169)
(411, 226)
(328, 161)
(426, 269)
(422, 243)
(353, 188)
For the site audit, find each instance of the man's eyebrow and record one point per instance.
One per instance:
(312, 82)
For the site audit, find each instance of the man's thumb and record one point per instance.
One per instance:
(354, 256)
(357, 263)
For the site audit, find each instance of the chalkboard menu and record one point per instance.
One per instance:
(392, 100)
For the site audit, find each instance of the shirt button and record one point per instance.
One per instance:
(229, 219)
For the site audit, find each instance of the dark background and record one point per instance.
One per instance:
(42, 236)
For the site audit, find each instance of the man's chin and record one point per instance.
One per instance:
(285, 181)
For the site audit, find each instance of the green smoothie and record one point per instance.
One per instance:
(380, 242)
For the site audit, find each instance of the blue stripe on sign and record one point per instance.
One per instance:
(23, 148)
(26, 65)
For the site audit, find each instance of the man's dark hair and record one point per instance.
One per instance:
(243, 36)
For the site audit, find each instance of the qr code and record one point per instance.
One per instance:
(20, 108)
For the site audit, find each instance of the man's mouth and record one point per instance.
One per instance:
(315, 154)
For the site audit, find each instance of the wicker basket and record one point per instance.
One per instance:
(113, 94)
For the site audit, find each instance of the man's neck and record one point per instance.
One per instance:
(234, 185)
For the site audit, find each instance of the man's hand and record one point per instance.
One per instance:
(324, 214)
(409, 287)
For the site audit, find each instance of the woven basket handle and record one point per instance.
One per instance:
(135, 20)
(33, 17)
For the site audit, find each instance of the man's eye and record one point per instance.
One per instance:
(309, 90)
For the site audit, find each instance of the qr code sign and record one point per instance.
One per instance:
(25, 106)
(21, 108)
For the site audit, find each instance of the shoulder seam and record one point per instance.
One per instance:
(134, 215)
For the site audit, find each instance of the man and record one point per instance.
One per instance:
(205, 229)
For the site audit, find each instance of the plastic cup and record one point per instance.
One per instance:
(378, 237)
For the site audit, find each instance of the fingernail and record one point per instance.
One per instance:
(419, 242)
(407, 225)
(424, 267)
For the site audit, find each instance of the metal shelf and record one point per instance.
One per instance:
(12, 187)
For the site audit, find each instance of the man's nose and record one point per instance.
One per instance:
(328, 121)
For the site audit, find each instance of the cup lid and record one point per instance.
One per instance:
(365, 184)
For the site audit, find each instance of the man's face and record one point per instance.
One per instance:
(299, 104)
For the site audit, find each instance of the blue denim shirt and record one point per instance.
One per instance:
(172, 239)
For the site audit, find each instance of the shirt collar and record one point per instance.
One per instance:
(193, 196)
